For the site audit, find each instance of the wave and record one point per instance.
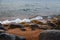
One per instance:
(18, 20)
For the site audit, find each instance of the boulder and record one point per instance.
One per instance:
(50, 35)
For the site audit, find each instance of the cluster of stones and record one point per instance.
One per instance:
(53, 27)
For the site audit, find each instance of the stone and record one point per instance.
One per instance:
(50, 35)
(34, 27)
(12, 26)
(2, 27)
(6, 36)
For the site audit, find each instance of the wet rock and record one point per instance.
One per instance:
(58, 22)
(25, 24)
(37, 22)
(44, 27)
(23, 29)
(34, 26)
(50, 35)
(6, 36)
(20, 38)
(2, 27)
(53, 25)
(12, 26)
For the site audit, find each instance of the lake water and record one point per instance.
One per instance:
(25, 8)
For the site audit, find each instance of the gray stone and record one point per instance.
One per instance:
(6, 36)
(50, 35)
(2, 27)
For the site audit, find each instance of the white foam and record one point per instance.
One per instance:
(26, 20)
(18, 20)
(37, 18)
(49, 17)
(5, 22)
(0, 22)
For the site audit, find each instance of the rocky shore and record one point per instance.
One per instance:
(30, 28)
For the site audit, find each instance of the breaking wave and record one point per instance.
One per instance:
(18, 20)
